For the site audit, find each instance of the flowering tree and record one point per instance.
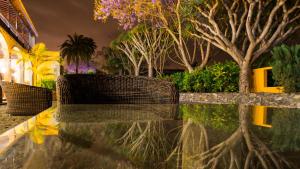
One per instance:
(127, 12)
(140, 43)
(168, 15)
(173, 17)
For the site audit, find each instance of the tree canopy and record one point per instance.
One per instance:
(78, 48)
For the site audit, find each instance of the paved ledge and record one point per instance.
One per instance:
(265, 99)
(8, 121)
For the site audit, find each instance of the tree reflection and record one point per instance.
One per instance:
(147, 142)
(83, 146)
(207, 136)
(242, 149)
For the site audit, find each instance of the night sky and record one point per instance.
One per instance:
(55, 19)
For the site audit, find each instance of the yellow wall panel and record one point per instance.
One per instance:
(260, 84)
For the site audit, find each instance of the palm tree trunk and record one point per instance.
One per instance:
(77, 65)
(76, 69)
(34, 75)
(61, 70)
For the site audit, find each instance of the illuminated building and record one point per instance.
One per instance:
(17, 33)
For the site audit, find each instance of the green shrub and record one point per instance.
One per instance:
(91, 72)
(177, 78)
(49, 84)
(286, 65)
(220, 77)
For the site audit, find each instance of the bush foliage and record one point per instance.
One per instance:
(286, 65)
(49, 84)
(220, 77)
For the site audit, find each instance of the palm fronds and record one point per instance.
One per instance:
(78, 48)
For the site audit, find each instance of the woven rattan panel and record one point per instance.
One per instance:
(93, 89)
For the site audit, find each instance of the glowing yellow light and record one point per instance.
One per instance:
(3, 68)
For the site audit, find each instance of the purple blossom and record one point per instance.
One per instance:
(127, 12)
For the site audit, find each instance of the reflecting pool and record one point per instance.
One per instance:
(186, 136)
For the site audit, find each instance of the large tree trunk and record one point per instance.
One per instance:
(244, 83)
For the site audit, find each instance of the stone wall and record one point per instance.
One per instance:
(265, 99)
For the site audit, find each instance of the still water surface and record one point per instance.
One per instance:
(190, 136)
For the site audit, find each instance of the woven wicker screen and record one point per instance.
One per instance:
(25, 100)
(103, 89)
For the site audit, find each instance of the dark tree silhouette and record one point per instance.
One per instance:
(78, 48)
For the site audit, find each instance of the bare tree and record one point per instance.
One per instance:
(152, 44)
(135, 58)
(173, 18)
(245, 29)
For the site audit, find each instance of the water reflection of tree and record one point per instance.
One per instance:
(82, 146)
(79, 135)
(69, 150)
(147, 142)
(138, 143)
(242, 149)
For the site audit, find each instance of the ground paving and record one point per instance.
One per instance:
(7, 121)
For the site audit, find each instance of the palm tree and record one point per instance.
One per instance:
(78, 48)
(38, 56)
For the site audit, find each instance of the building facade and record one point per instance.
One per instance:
(17, 33)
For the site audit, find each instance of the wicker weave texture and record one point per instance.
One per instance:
(104, 89)
(24, 100)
